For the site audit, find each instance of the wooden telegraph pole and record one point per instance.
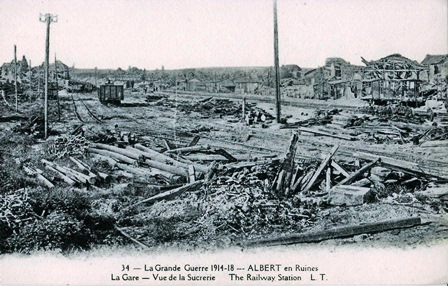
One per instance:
(57, 87)
(276, 62)
(47, 18)
(31, 78)
(15, 77)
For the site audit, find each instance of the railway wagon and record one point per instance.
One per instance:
(111, 93)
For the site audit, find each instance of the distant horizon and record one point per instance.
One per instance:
(216, 67)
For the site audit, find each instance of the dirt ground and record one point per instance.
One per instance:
(183, 222)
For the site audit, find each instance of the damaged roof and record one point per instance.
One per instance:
(393, 61)
(434, 59)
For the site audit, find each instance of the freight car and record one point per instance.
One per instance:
(111, 93)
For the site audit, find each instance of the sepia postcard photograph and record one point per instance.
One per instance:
(223, 142)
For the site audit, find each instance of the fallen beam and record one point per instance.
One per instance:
(435, 143)
(338, 232)
(321, 167)
(189, 149)
(309, 130)
(357, 173)
(123, 233)
(339, 169)
(171, 193)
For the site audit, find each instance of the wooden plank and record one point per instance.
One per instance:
(197, 148)
(321, 167)
(435, 143)
(225, 154)
(170, 194)
(339, 168)
(337, 232)
(357, 173)
(191, 174)
(328, 180)
(288, 165)
(194, 141)
(309, 130)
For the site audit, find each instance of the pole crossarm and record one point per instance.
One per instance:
(45, 17)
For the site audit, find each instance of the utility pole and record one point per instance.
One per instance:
(96, 71)
(38, 82)
(47, 18)
(15, 77)
(57, 87)
(31, 84)
(276, 62)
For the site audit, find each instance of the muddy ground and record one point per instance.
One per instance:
(227, 211)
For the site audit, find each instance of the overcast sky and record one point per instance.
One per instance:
(205, 33)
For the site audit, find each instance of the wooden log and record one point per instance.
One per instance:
(334, 233)
(64, 172)
(126, 152)
(76, 175)
(164, 167)
(125, 174)
(322, 165)
(83, 177)
(357, 173)
(170, 194)
(109, 160)
(181, 171)
(159, 157)
(153, 172)
(111, 154)
(39, 176)
(61, 175)
(84, 168)
(309, 130)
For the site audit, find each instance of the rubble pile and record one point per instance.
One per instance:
(34, 126)
(67, 145)
(378, 128)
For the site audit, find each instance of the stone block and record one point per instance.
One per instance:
(349, 195)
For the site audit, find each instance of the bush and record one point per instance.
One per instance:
(56, 231)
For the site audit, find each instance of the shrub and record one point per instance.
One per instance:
(56, 231)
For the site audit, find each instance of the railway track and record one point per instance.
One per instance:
(85, 107)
